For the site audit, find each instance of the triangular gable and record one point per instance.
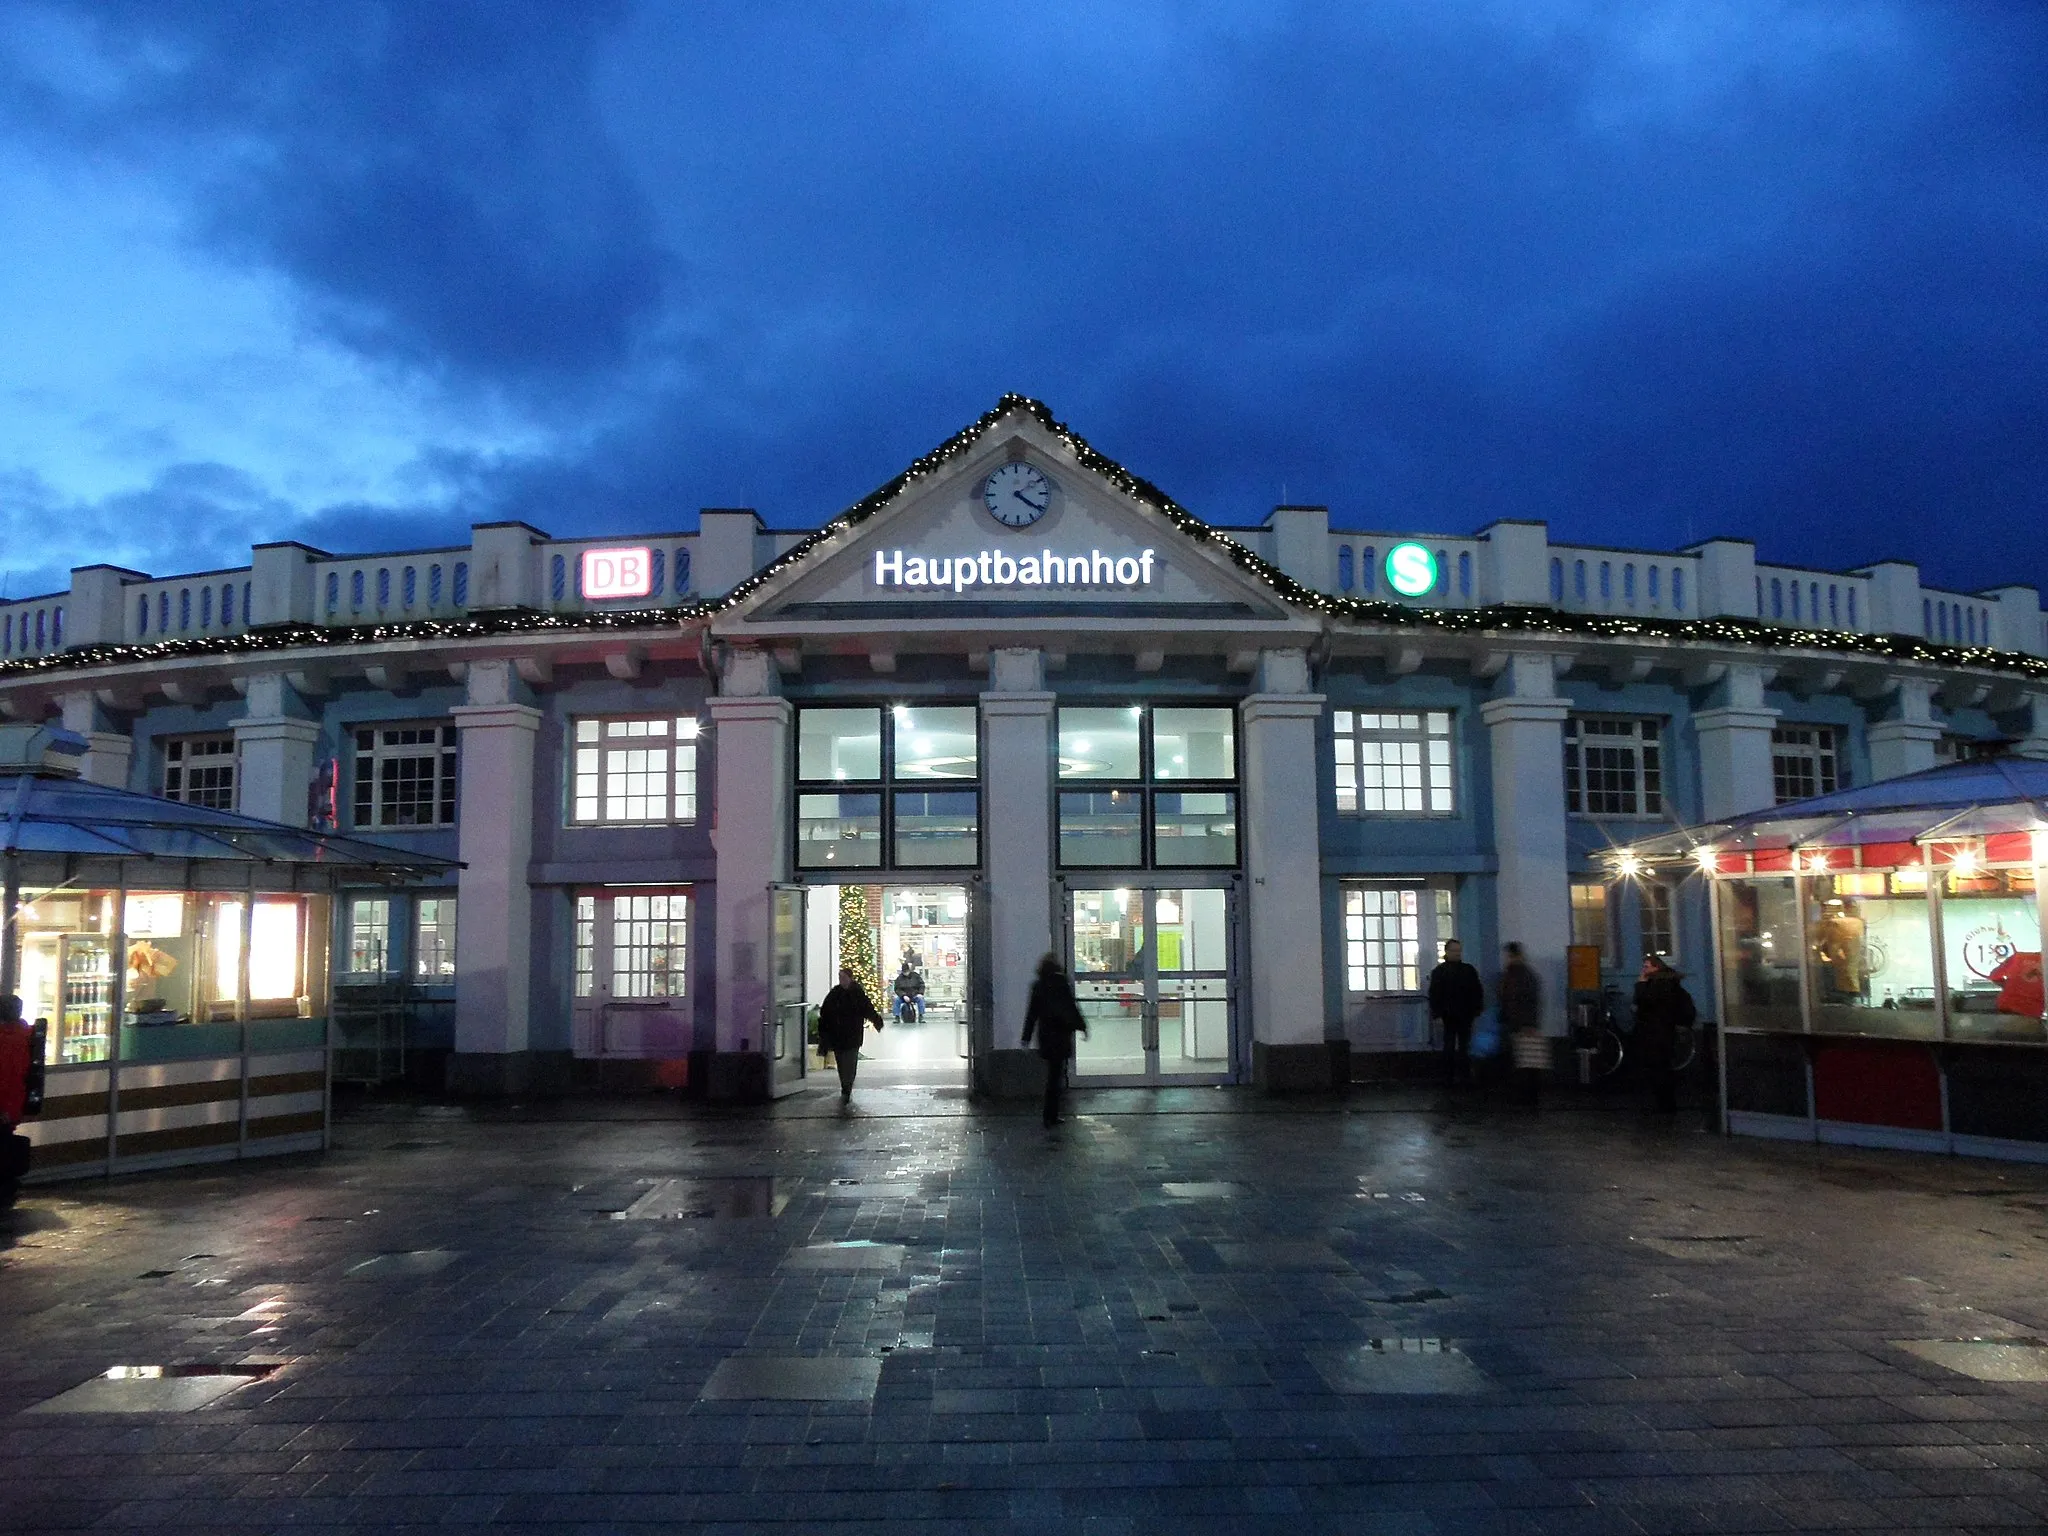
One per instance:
(926, 546)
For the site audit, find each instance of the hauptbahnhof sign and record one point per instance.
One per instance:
(993, 568)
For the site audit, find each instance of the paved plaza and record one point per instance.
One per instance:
(1189, 1311)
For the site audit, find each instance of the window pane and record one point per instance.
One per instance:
(1194, 744)
(369, 936)
(935, 742)
(1589, 918)
(1101, 828)
(433, 952)
(1759, 954)
(649, 936)
(1099, 743)
(1382, 939)
(839, 831)
(1870, 954)
(839, 744)
(1991, 938)
(1194, 829)
(937, 828)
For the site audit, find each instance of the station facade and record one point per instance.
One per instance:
(1243, 781)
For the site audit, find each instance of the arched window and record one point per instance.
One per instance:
(1464, 573)
(1852, 607)
(355, 591)
(682, 571)
(7, 644)
(1795, 602)
(1970, 624)
(657, 572)
(142, 616)
(383, 587)
(1369, 569)
(558, 576)
(411, 588)
(57, 629)
(1557, 581)
(1777, 598)
(1606, 581)
(41, 631)
(1650, 576)
(1927, 618)
(1443, 574)
(163, 613)
(248, 613)
(1579, 580)
(1628, 583)
(1813, 601)
(1677, 591)
(184, 609)
(333, 592)
(206, 607)
(1345, 574)
(433, 586)
(462, 583)
(227, 606)
(1834, 604)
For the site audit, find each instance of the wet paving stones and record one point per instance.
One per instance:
(1230, 1315)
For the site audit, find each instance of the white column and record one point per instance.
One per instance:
(2035, 742)
(1735, 748)
(1525, 740)
(1905, 743)
(107, 752)
(494, 939)
(750, 837)
(274, 753)
(1017, 833)
(1283, 869)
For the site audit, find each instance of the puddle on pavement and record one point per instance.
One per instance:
(1403, 1367)
(2023, 1359)
(707, 1199)
(792, 1379)
(153, 1389)
(1213, 1189)
(393, 1266)
(846, 1256)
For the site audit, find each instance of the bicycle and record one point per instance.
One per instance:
(1601, 1036)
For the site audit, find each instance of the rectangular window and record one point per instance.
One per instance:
(837, 746)
(1195, 829)
(839, 831)
(405, 776)
(1114, 817)
(933, 822)
(649, 938)
(1395, 934)
(1393, 764)
(937, 828)
(200, 770)
(1100, 743)
(1804, 762)
(636, 770)
(1654, 913)
(1589, 919)
(586, 945)
(1102, 828)
(1194, 743)
(936, 741)
(1613, 767)
(433, 940)
(369, 936)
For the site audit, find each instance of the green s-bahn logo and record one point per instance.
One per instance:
(1411, 569)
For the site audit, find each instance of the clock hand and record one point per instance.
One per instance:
(1020, 496)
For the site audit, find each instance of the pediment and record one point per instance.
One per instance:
(933, 551)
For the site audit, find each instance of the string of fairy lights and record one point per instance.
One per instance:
(1493, 619)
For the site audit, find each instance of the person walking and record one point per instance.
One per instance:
(841, 1017)
(1663, 1007)
(1521, 1022)
(1456, 998)
(1055, 1017)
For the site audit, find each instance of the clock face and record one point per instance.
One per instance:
(1017, 495)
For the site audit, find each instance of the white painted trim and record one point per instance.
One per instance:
(1749, 1122)
(1843, 1133)
(2000, 1147)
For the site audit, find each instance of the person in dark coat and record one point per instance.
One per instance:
(1520, 995)
(1457, 998)
(910, 992)
(841, 1017)
(1055, 1017)
(1663, 1007)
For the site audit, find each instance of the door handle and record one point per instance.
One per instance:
(1151, 1027)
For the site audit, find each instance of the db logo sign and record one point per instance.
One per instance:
(617, 573)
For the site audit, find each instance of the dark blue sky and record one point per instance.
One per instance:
(362, 274)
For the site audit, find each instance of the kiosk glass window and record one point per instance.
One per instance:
(936, 741)
(636, 770)
(1393, 763)
(1613, 767)
(1991, 953)
(1870, 954)
(837, 746)
(1760, 946)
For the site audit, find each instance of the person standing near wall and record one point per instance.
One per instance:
(1521, 1022)
(1055, 1017)
(841, 1017)
(1456, 997)
(1663, 1007)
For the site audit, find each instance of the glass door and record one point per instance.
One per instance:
(1152, 972)
(786, 1032)
(632, 974)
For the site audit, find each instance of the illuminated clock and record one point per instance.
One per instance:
(1017, 494)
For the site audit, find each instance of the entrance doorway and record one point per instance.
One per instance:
(1153, 972)
(924, 935)
(631, 990)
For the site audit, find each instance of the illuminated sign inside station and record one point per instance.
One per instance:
(994, 568)
(618, 573)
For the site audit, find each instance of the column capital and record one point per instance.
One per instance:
(1734, 718)
(1255, 707)
(770, 707)
(1002, 703)
(1904, 730)
(275, 728)
(1531, 711)
(521, 717)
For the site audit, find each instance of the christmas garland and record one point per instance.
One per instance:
(1494, 619)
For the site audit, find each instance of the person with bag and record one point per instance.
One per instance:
(909, 992)
(841, 1017)
(1521, 1021)
(1055, 1017)
(1456, 997)
(1663, 1007)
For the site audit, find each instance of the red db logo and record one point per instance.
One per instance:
(617, 573)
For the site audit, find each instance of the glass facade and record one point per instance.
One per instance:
(1119, 819)
(862, 822)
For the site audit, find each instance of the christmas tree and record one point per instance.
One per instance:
(857, 941)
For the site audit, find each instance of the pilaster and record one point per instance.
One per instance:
(1735, 747)
(274, 752)
(1283, 869)
(1905, 743)
(1525, 740)
(108, 752)
(1016, 830)
(750, 838)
